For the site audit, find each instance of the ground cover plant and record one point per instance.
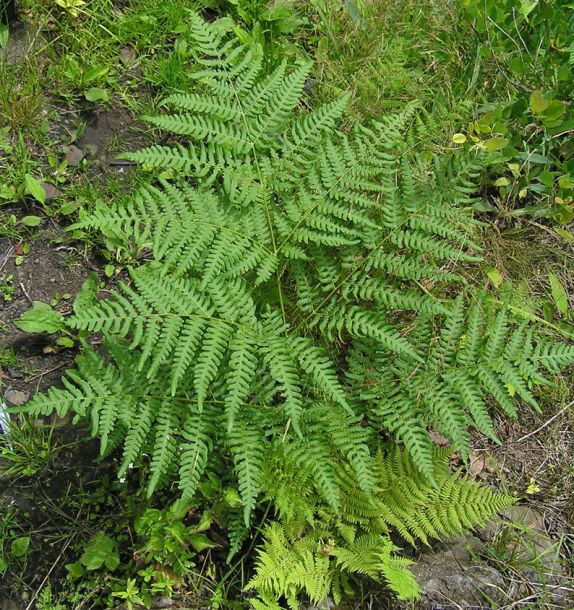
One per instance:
(294, 342)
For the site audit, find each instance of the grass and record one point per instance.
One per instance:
(380, 56)
(129, 55)
(8, 357)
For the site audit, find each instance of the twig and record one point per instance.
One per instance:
(6, 257)
(121, 163)
(62, 364)
(546, 424)
(544, 228)
(23, 288)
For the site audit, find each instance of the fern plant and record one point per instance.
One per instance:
(312, 549)
(286, 305)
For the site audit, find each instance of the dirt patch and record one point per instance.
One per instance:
(47, 500)
(109, 133)
(50, 273)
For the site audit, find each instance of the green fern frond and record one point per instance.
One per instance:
(475, 360)
(355, 539)
(247, 446)
(194, 452)
(242, 372)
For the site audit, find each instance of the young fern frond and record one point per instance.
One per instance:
(311, 556)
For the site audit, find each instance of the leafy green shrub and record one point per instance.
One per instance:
(533, 39)
(295, 314)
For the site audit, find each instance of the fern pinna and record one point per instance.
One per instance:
(296, 305)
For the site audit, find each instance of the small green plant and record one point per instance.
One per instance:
(14, 547)
(100, 551)
(43, 318)
(169, 544)
(269, 24)
(532, 166)
(88, 80)
(131, 594)
(46, 600)
(7, 288)
(8, 357)
(29, 452)
(71, 6)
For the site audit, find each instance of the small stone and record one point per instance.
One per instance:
(15, 398)
(161, 602)
(50, 190)
(128, 55)
(74, 155)
(310, 86)
(8, 604)
(469, 543)
(525, 515)
(14, 373)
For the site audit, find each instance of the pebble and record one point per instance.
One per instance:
(162, 602)
(310, 86)
(128, 55)
(91, 151)
(74, 155)
(14, 373)
(15, 398)
(50, 190)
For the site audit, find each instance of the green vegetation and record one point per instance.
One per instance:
(307, 304)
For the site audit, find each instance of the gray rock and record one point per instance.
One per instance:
(158, 603)
(51, 191)
(310, 86)
(15, 398)
(14, 373)
(451, 574)
(91, 151)
(74, 155)
(128, 55)
(526, 515)
(23, 41)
